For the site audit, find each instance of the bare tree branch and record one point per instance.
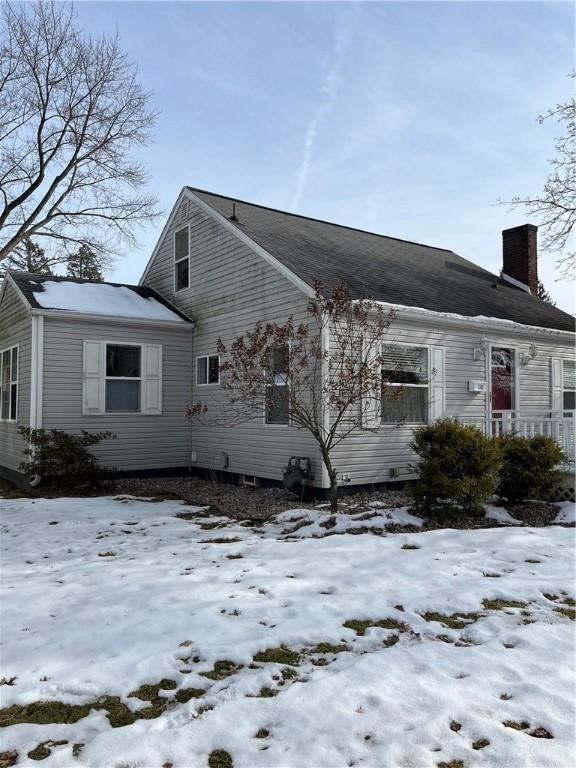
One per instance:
(555, 207)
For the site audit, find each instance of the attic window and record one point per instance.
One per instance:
(181, 259)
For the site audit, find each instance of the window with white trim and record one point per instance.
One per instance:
(123, 378)
(208, 369)
(181, 259)
(8, 384)
(569, 385)
(277, 400)
(405, 384)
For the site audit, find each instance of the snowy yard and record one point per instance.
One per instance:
(132, 637)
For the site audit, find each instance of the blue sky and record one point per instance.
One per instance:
(406, 118)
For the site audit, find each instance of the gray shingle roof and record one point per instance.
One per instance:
(31, 287)
(385, 268)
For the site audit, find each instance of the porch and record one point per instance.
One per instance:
(528, 423)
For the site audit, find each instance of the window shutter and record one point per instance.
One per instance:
(93, 378)
(152, 379)
(556, 377)
(437, 383)
(371, 413)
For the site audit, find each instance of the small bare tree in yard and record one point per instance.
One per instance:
(71, 115)
(293, 373)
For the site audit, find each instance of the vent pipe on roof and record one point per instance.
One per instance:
(233, 217)
(520, 255)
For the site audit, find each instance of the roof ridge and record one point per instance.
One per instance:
(320, 221)
(63, 278)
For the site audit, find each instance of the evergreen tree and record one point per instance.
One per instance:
(543, 294)
(85, 264)
(29, 257)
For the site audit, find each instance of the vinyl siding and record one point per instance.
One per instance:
(142, 442)
(231, 288)
(16, 328)
(368, 457)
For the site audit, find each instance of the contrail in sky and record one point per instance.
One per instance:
(328, 94)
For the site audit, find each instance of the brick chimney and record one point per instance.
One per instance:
(520, 254)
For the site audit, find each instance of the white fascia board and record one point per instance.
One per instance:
(478, 322)
(262, 252)
(66, 314)
(165, 229)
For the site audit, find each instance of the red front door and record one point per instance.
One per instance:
(502, 364)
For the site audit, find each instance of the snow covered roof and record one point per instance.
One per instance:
(96, 298)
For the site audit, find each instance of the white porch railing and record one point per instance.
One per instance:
(556, 424)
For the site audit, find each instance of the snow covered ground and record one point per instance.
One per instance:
(320, 650)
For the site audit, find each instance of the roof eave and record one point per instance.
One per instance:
(68, 314)
(479, 321)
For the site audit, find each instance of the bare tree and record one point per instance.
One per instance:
(327, 388)
(71, 115)
(555, 206)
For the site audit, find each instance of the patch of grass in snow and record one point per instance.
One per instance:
(451, 764)
(517, 725)
(231, 540)
(76, 749)
(119, 714)
(568, 612)
(279, 655)
(498, 605)
(410, 546)
(185, 694)
(237, 556)
(361, 625)
(219, 758)
(44, 750)
(328, 648)
(150, 692)
(453, 620)
(8, 759)
(480, 744)
(390, 641)
(211, 526)
(222, 669)
(288, 673)
(266, 693)
(42, 713)
(263, 733)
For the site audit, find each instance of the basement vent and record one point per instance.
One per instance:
(249, 480)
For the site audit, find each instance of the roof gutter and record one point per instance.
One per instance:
(478, 322)
(66, 314)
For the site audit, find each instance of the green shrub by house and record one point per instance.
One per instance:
(528, 467)
(63, 460)
(458, 468)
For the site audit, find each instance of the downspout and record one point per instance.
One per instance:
(36, 379)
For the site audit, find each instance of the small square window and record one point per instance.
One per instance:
(208, 369)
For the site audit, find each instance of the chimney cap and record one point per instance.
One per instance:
(532, 227)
